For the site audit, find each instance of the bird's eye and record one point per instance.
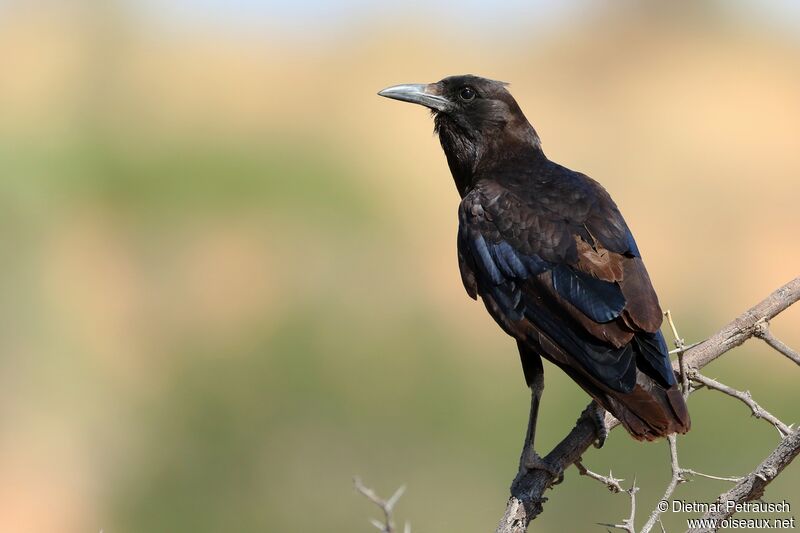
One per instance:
(467, 94)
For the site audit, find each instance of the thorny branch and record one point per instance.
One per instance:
(746, 398)
(677, 478)
(526, 501)
(763, 333)
(387, 506)
(680, 346)
(752, 486)
(627, 524)
(679, 474)
(613, 484)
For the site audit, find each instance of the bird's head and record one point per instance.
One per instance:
(474, 118)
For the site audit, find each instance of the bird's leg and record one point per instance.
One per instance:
(530, 460)
(597, 415)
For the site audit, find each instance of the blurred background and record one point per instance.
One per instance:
(229, 268)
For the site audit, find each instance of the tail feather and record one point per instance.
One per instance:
(654, 407)
(650, 411)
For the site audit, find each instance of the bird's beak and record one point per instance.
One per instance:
(418, 93)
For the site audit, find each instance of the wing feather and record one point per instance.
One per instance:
(576, 279)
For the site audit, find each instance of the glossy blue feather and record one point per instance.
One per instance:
(602, 301)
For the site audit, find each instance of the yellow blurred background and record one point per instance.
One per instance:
(229, 267)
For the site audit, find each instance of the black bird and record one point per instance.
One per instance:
(554, 262)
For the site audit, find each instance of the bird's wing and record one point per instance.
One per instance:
(566, 276)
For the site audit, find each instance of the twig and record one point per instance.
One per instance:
(763, 333)
(684, 348)
(689, 471)
(613, 484)
(744, 397)
(677, 478)
(632, 492)
(752, 486)
(609, 481)
(744, 326)
(387, 506)
(527, 491)
(679, 342)
(680, 346)
(628, 523)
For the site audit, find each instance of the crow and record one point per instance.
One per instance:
(554, 262)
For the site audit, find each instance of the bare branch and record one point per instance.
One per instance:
(527, 490)
(387, 506)
(684, 348)
(690, 472)
(609, 481)
(680, 346)
(613, 484)
(763, 333)
(752, 486)
(628, 523)
(744, 326)
(677, 478)
(744, 397)
(632, 493)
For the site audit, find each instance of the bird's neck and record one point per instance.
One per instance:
(472, 157)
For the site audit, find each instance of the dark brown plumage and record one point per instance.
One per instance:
(550, 255)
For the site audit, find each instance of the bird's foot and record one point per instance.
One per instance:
(533, 461)
(597, 415)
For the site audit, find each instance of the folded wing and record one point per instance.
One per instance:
(568, 281)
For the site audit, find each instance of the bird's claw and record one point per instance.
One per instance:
(597, 415)
(535, 462)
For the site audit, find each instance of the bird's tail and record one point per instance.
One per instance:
(649, 411)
